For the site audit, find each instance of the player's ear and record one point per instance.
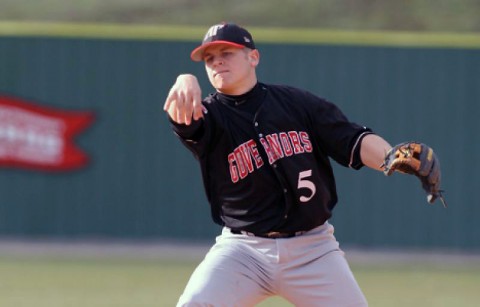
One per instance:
(254, 57)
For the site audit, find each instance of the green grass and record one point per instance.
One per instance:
(420, 285)
(61, 282)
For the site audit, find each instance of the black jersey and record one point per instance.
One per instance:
(265, 157)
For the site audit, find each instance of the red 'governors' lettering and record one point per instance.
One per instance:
(246, 158)
(304, 138)
(297, 145)
(287, 147)
(242, 159)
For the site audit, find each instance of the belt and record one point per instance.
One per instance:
(268, 235)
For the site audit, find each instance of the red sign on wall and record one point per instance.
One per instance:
(38, 137)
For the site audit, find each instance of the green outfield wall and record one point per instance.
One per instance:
(142, 184)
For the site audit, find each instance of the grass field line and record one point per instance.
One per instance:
(261, 34)
(194, 251)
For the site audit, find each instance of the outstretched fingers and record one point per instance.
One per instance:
(197, 107)
(172, 96)
(184, 101)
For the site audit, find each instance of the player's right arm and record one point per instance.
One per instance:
(184, 100)
(185, 112)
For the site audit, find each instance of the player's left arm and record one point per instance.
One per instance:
(409, 158)
(373, 150)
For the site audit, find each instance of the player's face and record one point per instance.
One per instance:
(231, 70)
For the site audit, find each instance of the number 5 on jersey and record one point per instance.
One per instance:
(304, 183)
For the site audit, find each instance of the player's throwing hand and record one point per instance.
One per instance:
(184, 101)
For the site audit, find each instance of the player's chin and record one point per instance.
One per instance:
(223, 87)
(220, 82)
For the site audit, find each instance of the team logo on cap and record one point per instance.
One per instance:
(212, 31)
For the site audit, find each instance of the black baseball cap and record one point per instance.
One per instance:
(224, 33)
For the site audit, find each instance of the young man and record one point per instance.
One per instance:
(264, 152)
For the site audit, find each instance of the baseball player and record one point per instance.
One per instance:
(264, 152)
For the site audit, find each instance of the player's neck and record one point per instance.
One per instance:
(239, 90)
(243, 95)
(248, 102)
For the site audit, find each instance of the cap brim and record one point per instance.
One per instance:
(197, 53)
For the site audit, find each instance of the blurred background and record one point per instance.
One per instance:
(410, 15)
(117, 59)
(409, 70)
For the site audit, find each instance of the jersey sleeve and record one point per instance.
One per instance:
(338, 137)
(197, 136)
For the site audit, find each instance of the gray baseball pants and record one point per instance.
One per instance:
(242, 270)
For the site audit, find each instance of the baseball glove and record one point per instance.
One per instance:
(417, 159)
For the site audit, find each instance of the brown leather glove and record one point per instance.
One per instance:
(417, 159)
